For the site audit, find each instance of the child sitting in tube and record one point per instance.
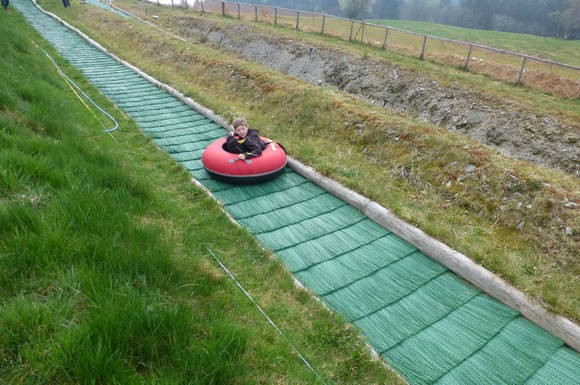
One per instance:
(244, 141)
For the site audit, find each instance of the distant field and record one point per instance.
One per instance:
(563, 51)
(552, 79)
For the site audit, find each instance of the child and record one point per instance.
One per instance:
(244, 141)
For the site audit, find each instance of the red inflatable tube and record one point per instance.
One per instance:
(226, 166)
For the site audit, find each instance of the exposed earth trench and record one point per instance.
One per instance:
(505, 125)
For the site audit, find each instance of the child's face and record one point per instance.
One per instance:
(241, 130)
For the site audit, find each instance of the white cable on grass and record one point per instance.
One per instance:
(69, 81)
(267, 317)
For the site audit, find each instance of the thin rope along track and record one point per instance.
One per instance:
(74, 87)
(425, 321)
(272, 323)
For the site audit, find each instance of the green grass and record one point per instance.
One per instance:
(563, 51)
(105, 274)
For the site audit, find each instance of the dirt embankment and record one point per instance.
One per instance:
(503, 124)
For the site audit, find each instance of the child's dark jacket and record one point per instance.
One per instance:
(251, 146)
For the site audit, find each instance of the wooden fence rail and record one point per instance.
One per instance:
(513, 67)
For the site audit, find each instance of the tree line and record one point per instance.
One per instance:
(555, 18)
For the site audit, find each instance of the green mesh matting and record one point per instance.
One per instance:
(425, 321)
(106, 6)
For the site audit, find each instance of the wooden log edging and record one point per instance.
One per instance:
(460, 264)
(455, 261)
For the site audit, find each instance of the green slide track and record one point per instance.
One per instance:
(427, 323)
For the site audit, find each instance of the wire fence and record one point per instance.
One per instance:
(512, 67)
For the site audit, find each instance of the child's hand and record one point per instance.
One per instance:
(241, 157)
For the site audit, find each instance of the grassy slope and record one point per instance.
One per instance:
(105, 276)
(477, 213)
(563, 51)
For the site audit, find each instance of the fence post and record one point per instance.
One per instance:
(238, 11)
(202, 7)
(297, 20)
(185, 4)
(521, 75)
(386, 36)
(423, 48)
(468, 58)
(351, 27)
(255, 13)
(362, 34)
(323, 21)
(275, 17)
(172, 3)
(223, 8)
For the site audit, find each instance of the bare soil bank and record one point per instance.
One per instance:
(504, 124)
